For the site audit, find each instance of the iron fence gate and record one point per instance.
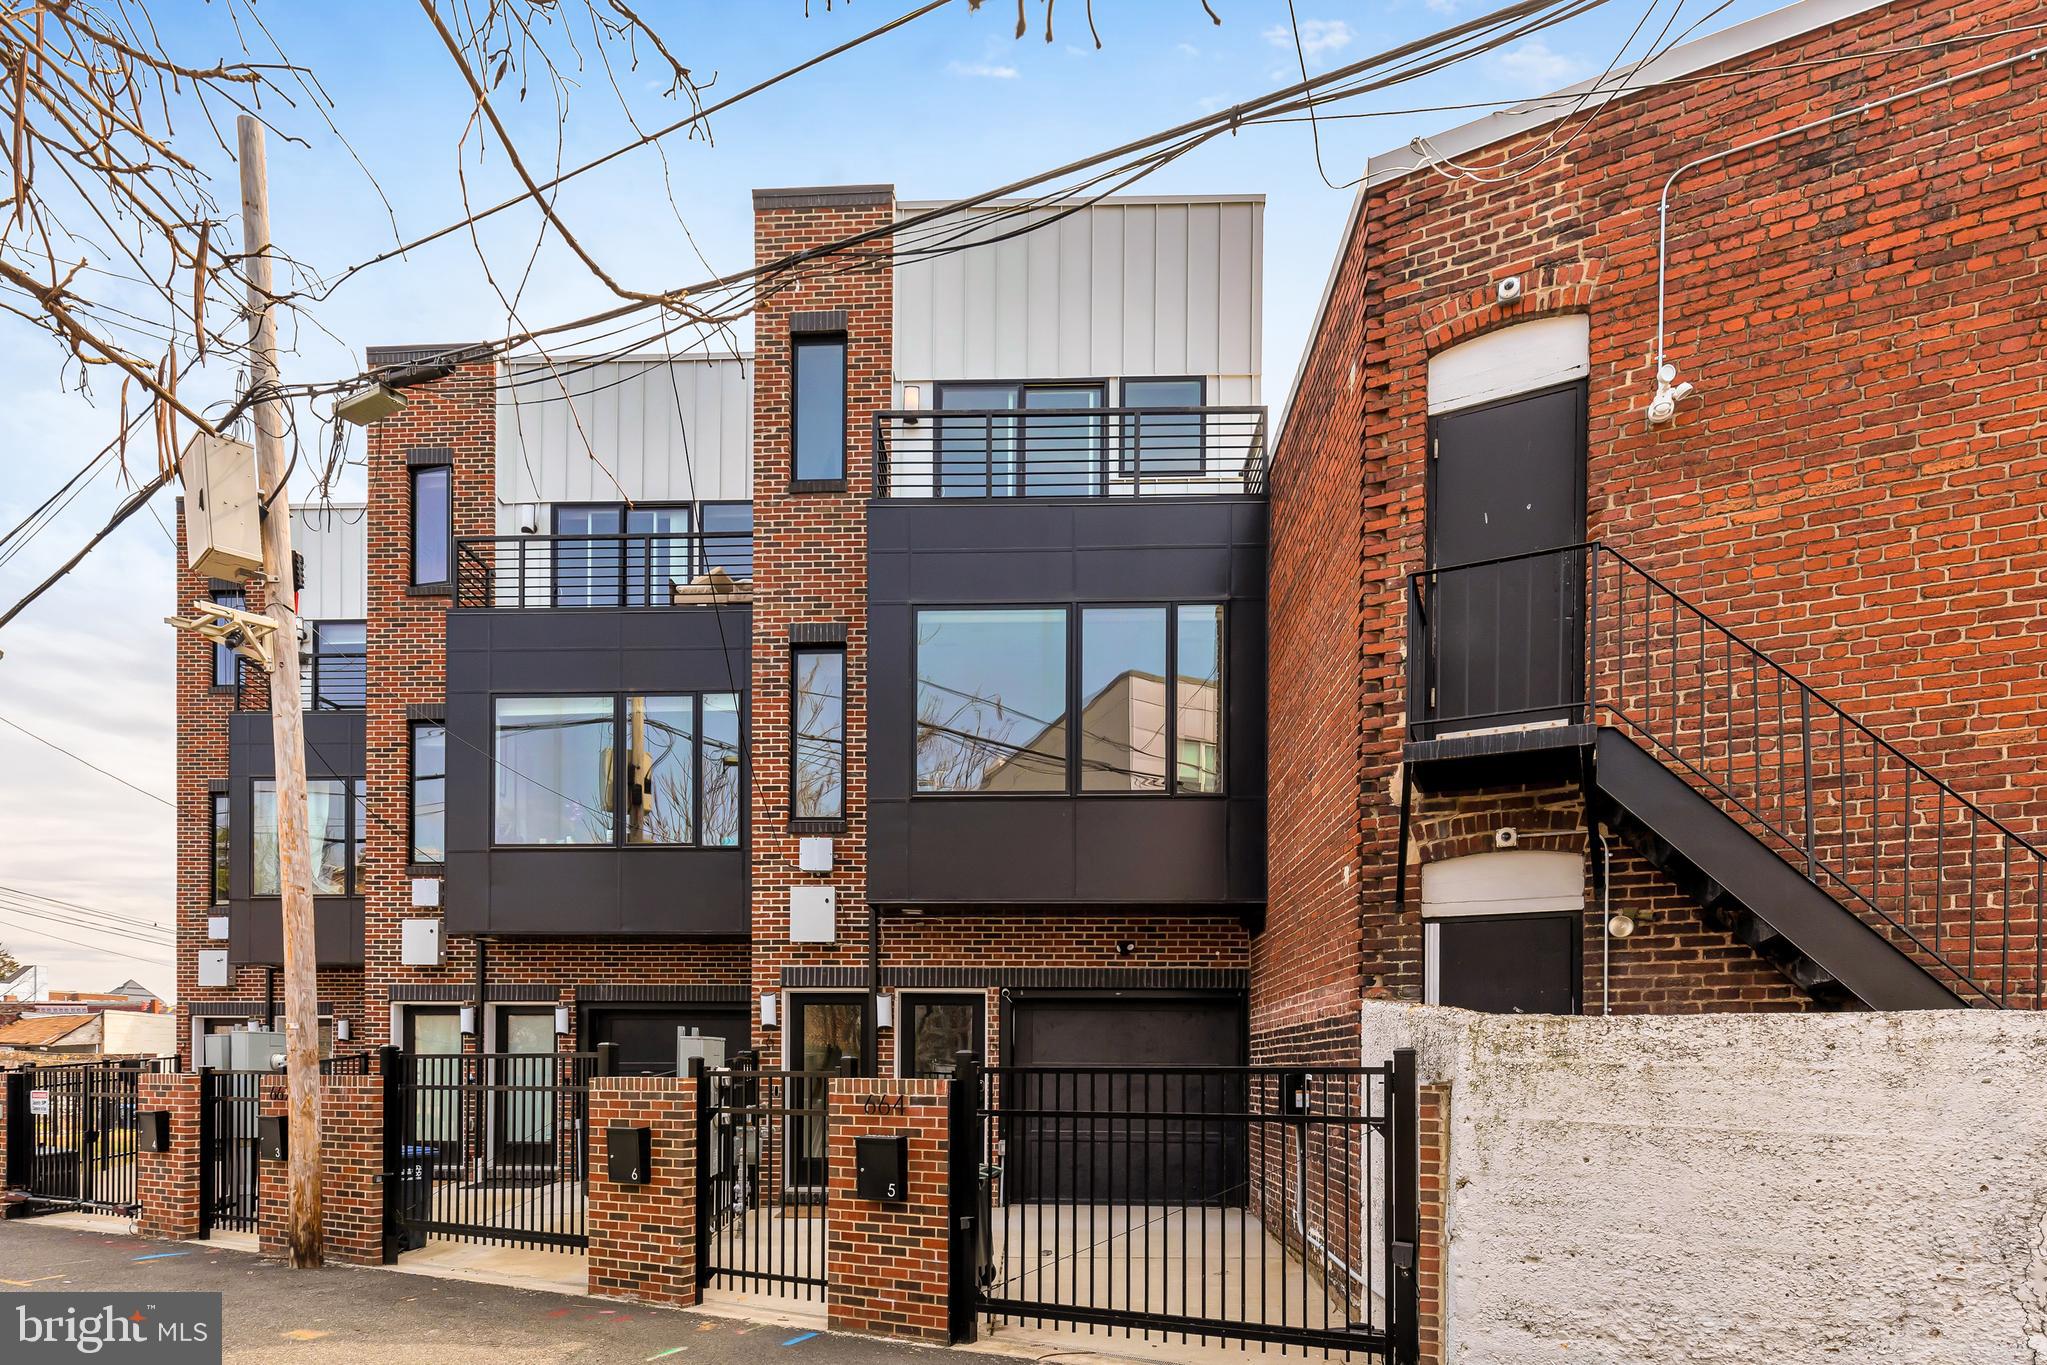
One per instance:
(230, 1103)
(763, 1182)
(487, 1147)
(1257, 1205)
(72, 1132)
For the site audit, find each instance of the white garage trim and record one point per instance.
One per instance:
(1512, 881)
(1537, 354)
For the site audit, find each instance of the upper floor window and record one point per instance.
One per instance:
(429, 792)
(994, 692)
(614, 555)
(818, 408)
(1160, 442)
(433, 525)
(226, 663)
(1053, 447)
(336, 676)
(220, 848)
(669, 768)
(818, 789)
(335, 824)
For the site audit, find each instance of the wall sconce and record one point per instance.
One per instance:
(771, 1009)
(884, 1011)
(469, 1018)
(913, 400)
(561, 1021)
(343, 1030)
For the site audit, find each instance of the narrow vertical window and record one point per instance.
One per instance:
(432, 525)
(818, 383)
(1123, 699)
(220, 848)
(1198, 698)
(660, 778)
(718, 734)
(226, 666)
(819, 785)
(429, 792)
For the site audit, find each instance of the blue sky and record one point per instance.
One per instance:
(949, 105)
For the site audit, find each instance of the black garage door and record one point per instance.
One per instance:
(645, 1034)
(1129, 1078)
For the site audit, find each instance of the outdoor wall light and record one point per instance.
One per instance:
(561, 1021)
(469, 1018)
(1620, 924)
(343, 1030)
(771, 1009)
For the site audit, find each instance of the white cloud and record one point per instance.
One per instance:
(1319, 37)
(1187, 49)
(982, 70)
(1536, 66)
(1208, 104)
(1441, 6)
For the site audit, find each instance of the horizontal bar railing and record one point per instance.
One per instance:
(1069, 452)
(654, 569)
(1583, 634)
(334, 682)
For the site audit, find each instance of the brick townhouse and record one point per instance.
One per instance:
(893, 690)
(1714, 690)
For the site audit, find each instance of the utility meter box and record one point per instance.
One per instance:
(881, 1168)
(628, 1154)
(693, 1046)
(244, 1050)
(1296, 1094)
(223, 528)
(273, 1138)
(213, 966)
(419, 942)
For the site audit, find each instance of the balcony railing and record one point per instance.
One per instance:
(327, 682)
(1070, 452)
(646, 570)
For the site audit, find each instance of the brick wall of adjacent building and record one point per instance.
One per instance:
(1432, 1164)
(890, 1261)
(167, 1183)
(1853, 487)
(643, 1242)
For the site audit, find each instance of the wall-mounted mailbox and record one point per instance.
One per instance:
(881, 1168)
(629, 1155)
(1296, 1093)
(273, 1138)
(153, 1130)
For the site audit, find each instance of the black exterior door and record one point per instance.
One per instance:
(646, 1035)
(1151, 1058)
(1506, 640)
(1507, 964)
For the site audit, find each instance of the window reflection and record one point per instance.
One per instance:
(1123, 699)
(991, 700)
(723, 793)
(327, 835)
(660, 737)
(820, 776)
(1198, 675)
(553, 772)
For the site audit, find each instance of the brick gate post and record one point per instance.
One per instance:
(167, 1183)
(891, 1261)
(643, 1236)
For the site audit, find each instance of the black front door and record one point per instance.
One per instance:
(826, 1033)
(1505, 639)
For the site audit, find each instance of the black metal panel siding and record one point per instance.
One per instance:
(1130, 851)
(334, 748)
(583, 892)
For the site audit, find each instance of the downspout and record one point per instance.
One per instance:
(1663, 201)
(871, 1043)
(482, 958)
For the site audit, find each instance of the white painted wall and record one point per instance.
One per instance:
(1130, 286)
(334, 538)
(129, 1031)
(641, 428)
(1730, 1189)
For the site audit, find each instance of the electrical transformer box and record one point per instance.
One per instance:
(223, 528)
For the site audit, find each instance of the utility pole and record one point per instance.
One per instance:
(287, 723)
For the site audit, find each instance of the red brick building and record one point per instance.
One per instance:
(1744, 663)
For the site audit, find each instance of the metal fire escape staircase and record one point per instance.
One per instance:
(1795, 827)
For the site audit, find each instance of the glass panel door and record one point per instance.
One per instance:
(435, 1036)
(656, 554)
(828, 1030)
(586, 572)
(976, 457)
(1062, 456)
(524, 1121)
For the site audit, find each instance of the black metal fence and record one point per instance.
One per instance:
(645, 570)
(349, 1064)
(71, 1136)
(1584, 635)
(230, 1102)
(1069, 452)
(491, 1147)
(1247, 1205)
(762, 1183)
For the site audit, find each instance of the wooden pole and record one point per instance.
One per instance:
(287, 722)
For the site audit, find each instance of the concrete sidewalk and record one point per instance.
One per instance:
(348, 1316)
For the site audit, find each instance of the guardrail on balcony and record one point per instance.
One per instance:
(1069, 452)
(645, 570)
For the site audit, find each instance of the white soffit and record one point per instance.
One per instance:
(1518, 359)
(1518, 881)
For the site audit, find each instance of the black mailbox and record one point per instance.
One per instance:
(1296, 1093)
(881, 1168)
(629, 1155)
(153, 1130)
(273, 1137)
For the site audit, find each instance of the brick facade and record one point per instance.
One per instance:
(1850, 489)
(351, 1173)
(643, 1243)
(167, 1183)
(890, 1262)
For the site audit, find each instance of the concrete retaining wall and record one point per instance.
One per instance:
(1848, 1187)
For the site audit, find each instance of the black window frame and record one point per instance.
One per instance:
(310, 678)
(906, 1026)
(220, 871)
(355, 791)
(1129, 455)
(238, 599)
(618, 841)
(413, 778)
(799, 482)
(1016, 480)
(798, 821)
(1074, 642)
(417, 472)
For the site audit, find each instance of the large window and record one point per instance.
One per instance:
(637, 553)
(1162, 444)
(335, 824)
(429, 792)
(227, 664)
(336, 674)
(433, 525)
(818, 386)
(1053, 448)
(670, 766)
(991, 700)
(994, 692)
(819, 785)
(220, 847)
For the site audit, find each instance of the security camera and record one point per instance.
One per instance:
(1663, 405)
(1509, 289)
(247, 633)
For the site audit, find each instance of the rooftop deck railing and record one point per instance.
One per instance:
(664, 569)
(1069, 452)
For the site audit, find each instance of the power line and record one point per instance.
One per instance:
(169, 951)
(158, 938)
(52, 744)
(74, 905)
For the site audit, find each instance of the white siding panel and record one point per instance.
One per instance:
(1169, 304)
(1044, 301)
(1105, 354)
(1075, 283)
(1204, 281)
(1140, 289)
(1237, 311)
(335, 542)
